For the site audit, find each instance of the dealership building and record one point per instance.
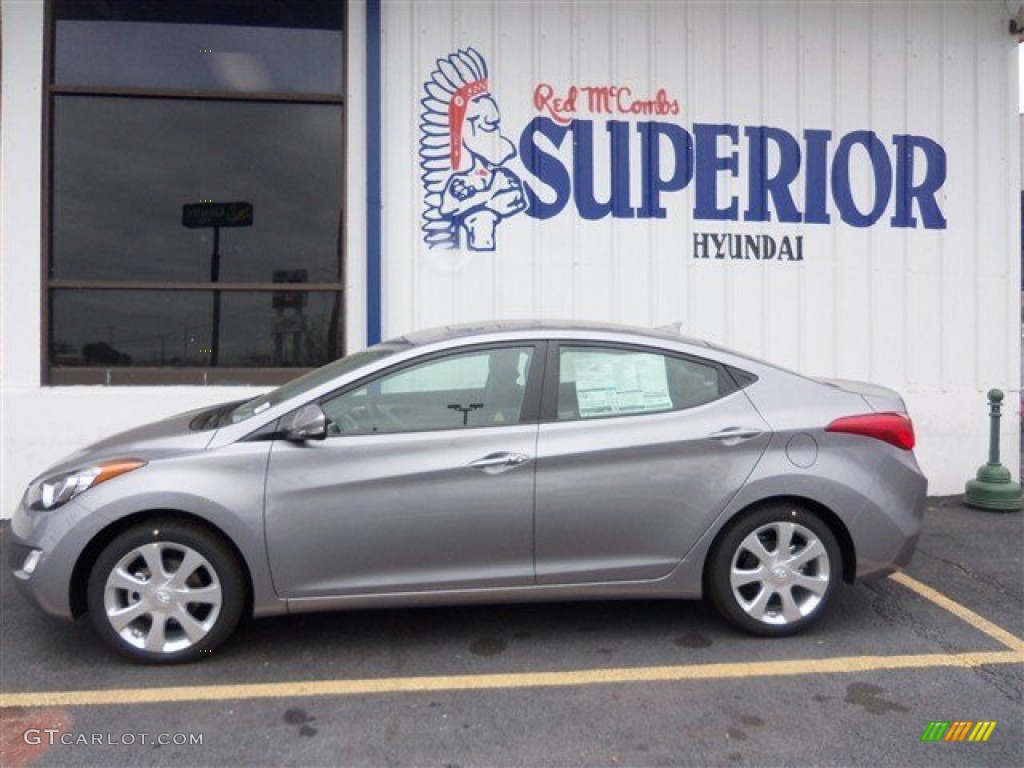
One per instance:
(203, 199)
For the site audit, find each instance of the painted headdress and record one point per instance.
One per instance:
(452, 85)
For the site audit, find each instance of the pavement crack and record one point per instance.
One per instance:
(988, 581)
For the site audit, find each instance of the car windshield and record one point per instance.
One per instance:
(311, 380)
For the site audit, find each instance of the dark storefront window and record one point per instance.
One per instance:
(195, 190)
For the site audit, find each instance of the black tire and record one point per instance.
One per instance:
(804, 569)
(201, 586)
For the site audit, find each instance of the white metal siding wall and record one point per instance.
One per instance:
(933, 313)
(41, 425)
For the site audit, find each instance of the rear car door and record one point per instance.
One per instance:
(639, 450)
(425, 481)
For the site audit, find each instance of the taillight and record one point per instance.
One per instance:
(894, 428)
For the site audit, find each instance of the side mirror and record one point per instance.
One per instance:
(307, 423)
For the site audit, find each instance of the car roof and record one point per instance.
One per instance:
(542, 328)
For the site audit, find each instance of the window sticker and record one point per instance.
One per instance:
(614, 383)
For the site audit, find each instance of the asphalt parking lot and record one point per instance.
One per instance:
(626, 683)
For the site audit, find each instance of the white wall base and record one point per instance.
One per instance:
(953, 433)
(41, 426)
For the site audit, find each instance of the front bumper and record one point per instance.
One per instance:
(60, 536)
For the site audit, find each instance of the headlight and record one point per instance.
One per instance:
(51, 492)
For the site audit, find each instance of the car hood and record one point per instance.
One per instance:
(150, 441)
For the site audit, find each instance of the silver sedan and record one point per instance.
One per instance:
(497, 463)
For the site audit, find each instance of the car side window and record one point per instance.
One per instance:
(597, 382)
(469, 389)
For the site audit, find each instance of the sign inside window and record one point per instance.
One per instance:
(202, 215)
(610, 383)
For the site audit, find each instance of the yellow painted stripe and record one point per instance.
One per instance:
(982, 730)
(980, 623)
(515, 680)
(559, 679)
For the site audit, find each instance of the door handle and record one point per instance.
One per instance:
(499, 460)
(735, 434)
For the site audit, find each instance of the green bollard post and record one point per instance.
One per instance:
(992, 488)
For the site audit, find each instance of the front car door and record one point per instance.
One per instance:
(425, 481)
(635, 460)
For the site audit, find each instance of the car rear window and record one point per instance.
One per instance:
(597, 382)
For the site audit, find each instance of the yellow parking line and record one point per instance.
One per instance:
(309, 688)
(980, 623)
(724, 671)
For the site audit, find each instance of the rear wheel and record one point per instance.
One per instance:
(166, 591)
(773, 571)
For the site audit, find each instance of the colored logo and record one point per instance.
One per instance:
(958, 730)
(608, 150)
(463, 154)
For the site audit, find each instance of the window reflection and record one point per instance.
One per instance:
(269, 46)
(123, 169)
(141, 272)
(174, 328)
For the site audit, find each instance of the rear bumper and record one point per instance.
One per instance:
(886, 532)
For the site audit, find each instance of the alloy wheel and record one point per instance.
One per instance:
(780, 573)
(162, 597)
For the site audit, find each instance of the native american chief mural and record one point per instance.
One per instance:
(463, 153)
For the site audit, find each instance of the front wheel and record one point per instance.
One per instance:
(773, 572)
(165, 591)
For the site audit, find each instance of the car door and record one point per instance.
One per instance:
(638, 452)
(424, 482)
